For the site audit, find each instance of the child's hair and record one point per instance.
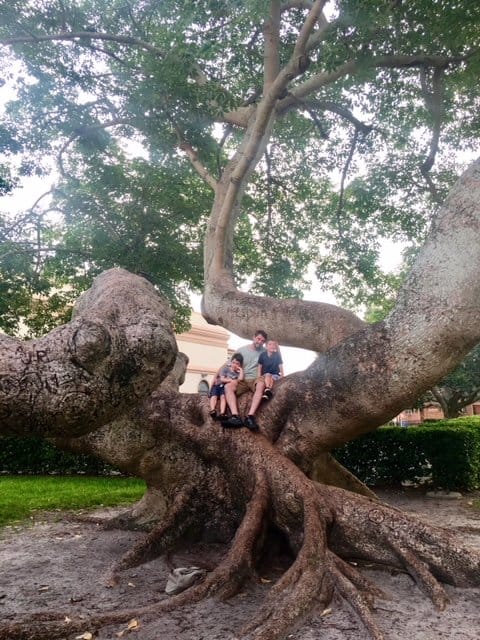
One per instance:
(238, 357)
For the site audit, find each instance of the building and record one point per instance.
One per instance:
(432, 411)
(206, 346)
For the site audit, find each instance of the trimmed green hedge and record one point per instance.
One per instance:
(37, 456)
(444, 454)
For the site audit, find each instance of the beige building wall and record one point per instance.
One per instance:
(206, 346)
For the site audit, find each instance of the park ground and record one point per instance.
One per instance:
(56, 563)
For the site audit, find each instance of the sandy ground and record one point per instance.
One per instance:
(57, 565)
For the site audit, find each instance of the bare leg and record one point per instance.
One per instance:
(223, 404)
(257, 397)
(230, 396)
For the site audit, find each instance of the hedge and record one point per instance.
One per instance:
(444, 455)
(37, 456)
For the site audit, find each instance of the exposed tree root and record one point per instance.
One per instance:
(325, 526)
(157, 541)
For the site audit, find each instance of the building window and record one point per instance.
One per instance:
(203, 388)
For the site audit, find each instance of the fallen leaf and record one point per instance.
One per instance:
(120, 634)
(67, 619)
(85, 636)
(130, 584)
(44, 587)
(133, 624)
(265, 580)
(326, 612)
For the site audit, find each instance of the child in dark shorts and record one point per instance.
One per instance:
(230, 371)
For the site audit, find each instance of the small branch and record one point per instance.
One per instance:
(343, 180)
(84, 35)
(268, 162)
(197, 165)
(323, 79)
(434, 101)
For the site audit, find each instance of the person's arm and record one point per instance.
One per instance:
(260, 366)
(241, 374)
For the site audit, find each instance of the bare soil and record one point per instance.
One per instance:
(57, 565)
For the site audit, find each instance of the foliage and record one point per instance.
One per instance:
(120, 102)
(37, 456)
(21, 497)
(461, 387)
(444, 454)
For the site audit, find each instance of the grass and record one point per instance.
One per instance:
(22, 496)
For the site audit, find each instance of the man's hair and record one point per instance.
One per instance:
(260, 332)
(238, 357)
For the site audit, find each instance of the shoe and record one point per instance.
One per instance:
(182, 578)
(222, 417)
(213, 415)
(267, 394)
(251, 423)
(232, 422)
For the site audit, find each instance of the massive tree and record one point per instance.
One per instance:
(267, 75)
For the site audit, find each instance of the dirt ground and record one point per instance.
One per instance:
(57, 566)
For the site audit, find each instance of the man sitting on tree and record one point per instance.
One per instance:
(250, 352)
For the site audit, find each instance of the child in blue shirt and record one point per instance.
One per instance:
(270, 366)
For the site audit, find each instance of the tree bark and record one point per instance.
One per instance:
(118, 346)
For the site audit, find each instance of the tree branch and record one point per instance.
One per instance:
(434, 101)
(83, 35)
(117, 348)
(326, 78)
(271, 34)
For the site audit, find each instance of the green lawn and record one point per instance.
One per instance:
(20, 496)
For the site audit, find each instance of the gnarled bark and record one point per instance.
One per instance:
(117, 348)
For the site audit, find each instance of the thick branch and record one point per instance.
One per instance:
(323, 325)
(218, 242)
(373, 375)
(117, 348)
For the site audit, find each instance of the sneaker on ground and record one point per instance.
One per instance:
(251, 423)
(233, 421)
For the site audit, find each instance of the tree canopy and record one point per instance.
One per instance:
(142, 104)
